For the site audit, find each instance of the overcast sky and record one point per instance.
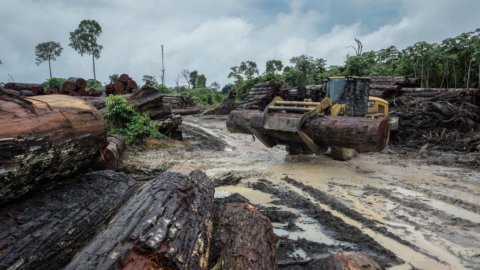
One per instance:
(212, 36)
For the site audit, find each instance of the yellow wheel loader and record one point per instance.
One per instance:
(345, 96)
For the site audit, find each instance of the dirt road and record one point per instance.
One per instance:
(401, 211)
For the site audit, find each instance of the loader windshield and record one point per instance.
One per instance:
(335, 89)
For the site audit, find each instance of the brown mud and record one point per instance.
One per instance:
(407, 209)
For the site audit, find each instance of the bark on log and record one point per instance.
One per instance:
(359, 133)
(110, 158)
(243, 239)
(45, 231)
(166, 225)
(45, 138)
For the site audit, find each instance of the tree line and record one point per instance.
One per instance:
(452, 63)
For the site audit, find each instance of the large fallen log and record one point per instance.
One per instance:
(243, 239)
(359, 133)
(44, 139)
(168, 223)
(45, 231)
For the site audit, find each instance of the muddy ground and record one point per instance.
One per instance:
(406, 209)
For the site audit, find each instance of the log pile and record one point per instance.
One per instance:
(24, 89)
(447, 121)
(152, 103)
(227, 105)
(44, 139)
(46, 230)
(124, 85)
(300, 93)
(178, 101)
(74, 87)
(260, 95)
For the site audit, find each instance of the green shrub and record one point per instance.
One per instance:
(206, 96)
(128, 122)
(54, 83)
(92, 83)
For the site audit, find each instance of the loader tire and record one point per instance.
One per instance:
(343, 154)
(297, 149)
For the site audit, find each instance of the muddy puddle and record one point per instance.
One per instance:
(403, 212)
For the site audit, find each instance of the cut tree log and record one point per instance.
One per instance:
(44, 139)
(79, 82)
(166, 225)
(124, 78)
(37, 89)
(358, 133)
(243, 239)
(119, 87)
(45, 231)
(110, 158)
(68, 87)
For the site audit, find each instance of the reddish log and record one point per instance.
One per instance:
(109, 90)
(68, 87)
(132, 85)
(79, 82)
(119, 87)
(44, 139)
(124, 78)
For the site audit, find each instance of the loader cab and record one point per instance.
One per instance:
(351, 93)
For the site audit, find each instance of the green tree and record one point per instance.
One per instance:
(149, 80)
(192, 78)
(113, 78)
(226, 88)
(201, 81)
(84, 40)
(273, 66)
(215, 85)
(47, 51)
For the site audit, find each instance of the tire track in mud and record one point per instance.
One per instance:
(340, 230)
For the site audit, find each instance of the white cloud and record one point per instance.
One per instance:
(212, 36)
